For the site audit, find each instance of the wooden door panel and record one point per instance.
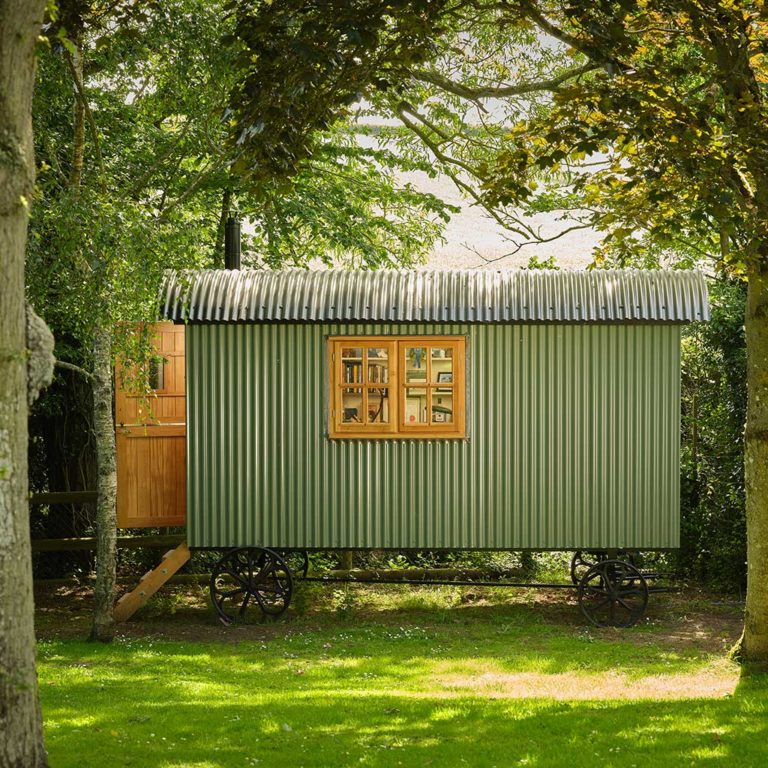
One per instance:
(157, 410)
(151, 476)
(166, 404)
(151, 442)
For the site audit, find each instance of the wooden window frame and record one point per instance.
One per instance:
(397, 427)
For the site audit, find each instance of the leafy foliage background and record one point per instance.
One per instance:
(193, 102)
(714, 401)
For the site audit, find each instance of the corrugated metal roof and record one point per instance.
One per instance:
(294, 295)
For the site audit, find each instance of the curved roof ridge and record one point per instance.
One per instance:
(451, 295)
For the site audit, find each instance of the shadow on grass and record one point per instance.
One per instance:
(165, 722)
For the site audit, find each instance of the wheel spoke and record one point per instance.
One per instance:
(268, 569)
(266, 604)
(273, 587)
(622, 589)
(268, 600)
(628, 608)
(250, 568)
(601, 604)
(230, 593)
(236, 576)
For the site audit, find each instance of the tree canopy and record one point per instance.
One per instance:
(643, 119)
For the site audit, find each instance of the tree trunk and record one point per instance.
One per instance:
(21, 745)
(103, 627)
(78, 141)
(754, 643)
(346, 559)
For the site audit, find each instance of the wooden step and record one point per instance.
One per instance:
(150, 582)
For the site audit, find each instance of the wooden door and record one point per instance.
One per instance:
(151, 437)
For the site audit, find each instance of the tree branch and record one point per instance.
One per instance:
(89, 119)
(501, 91)
(537, 241)
(78, 141)
(75, 368)
(519, 227)
(159, 160)
(54, 160)
(404, 107)
(531, 10)
(194, 185)
(590, 48)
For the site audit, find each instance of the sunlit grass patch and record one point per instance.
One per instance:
(494, 683)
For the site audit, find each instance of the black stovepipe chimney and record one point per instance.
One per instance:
(232, 243)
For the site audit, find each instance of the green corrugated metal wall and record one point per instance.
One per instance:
(573, 442)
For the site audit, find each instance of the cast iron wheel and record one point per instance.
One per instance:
(583, 560)
(613, 593)
(250, 576)
(297, 560)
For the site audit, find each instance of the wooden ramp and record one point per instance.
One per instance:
(150, 582)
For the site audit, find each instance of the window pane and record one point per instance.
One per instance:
(352, 365)
(442, 407)
(378, 406)
(415, 406)
(351, 406)
(157, 373)
(415, 364)
(378, 366)
(442, 365)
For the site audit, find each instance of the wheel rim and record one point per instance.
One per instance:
(250, 577)
(613, 593)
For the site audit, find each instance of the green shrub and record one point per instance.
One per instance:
(714, 398)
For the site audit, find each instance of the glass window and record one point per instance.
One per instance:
(351, 405)
(156, 373)
(389, 386)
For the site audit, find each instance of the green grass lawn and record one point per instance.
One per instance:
(403, 679)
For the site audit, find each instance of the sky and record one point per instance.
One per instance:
(474, 240)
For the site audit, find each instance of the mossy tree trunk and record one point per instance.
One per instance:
(103, 627)
(21, 736)
(754, 644)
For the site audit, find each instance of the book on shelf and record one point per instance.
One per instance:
(377, 373)
(353, 373)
